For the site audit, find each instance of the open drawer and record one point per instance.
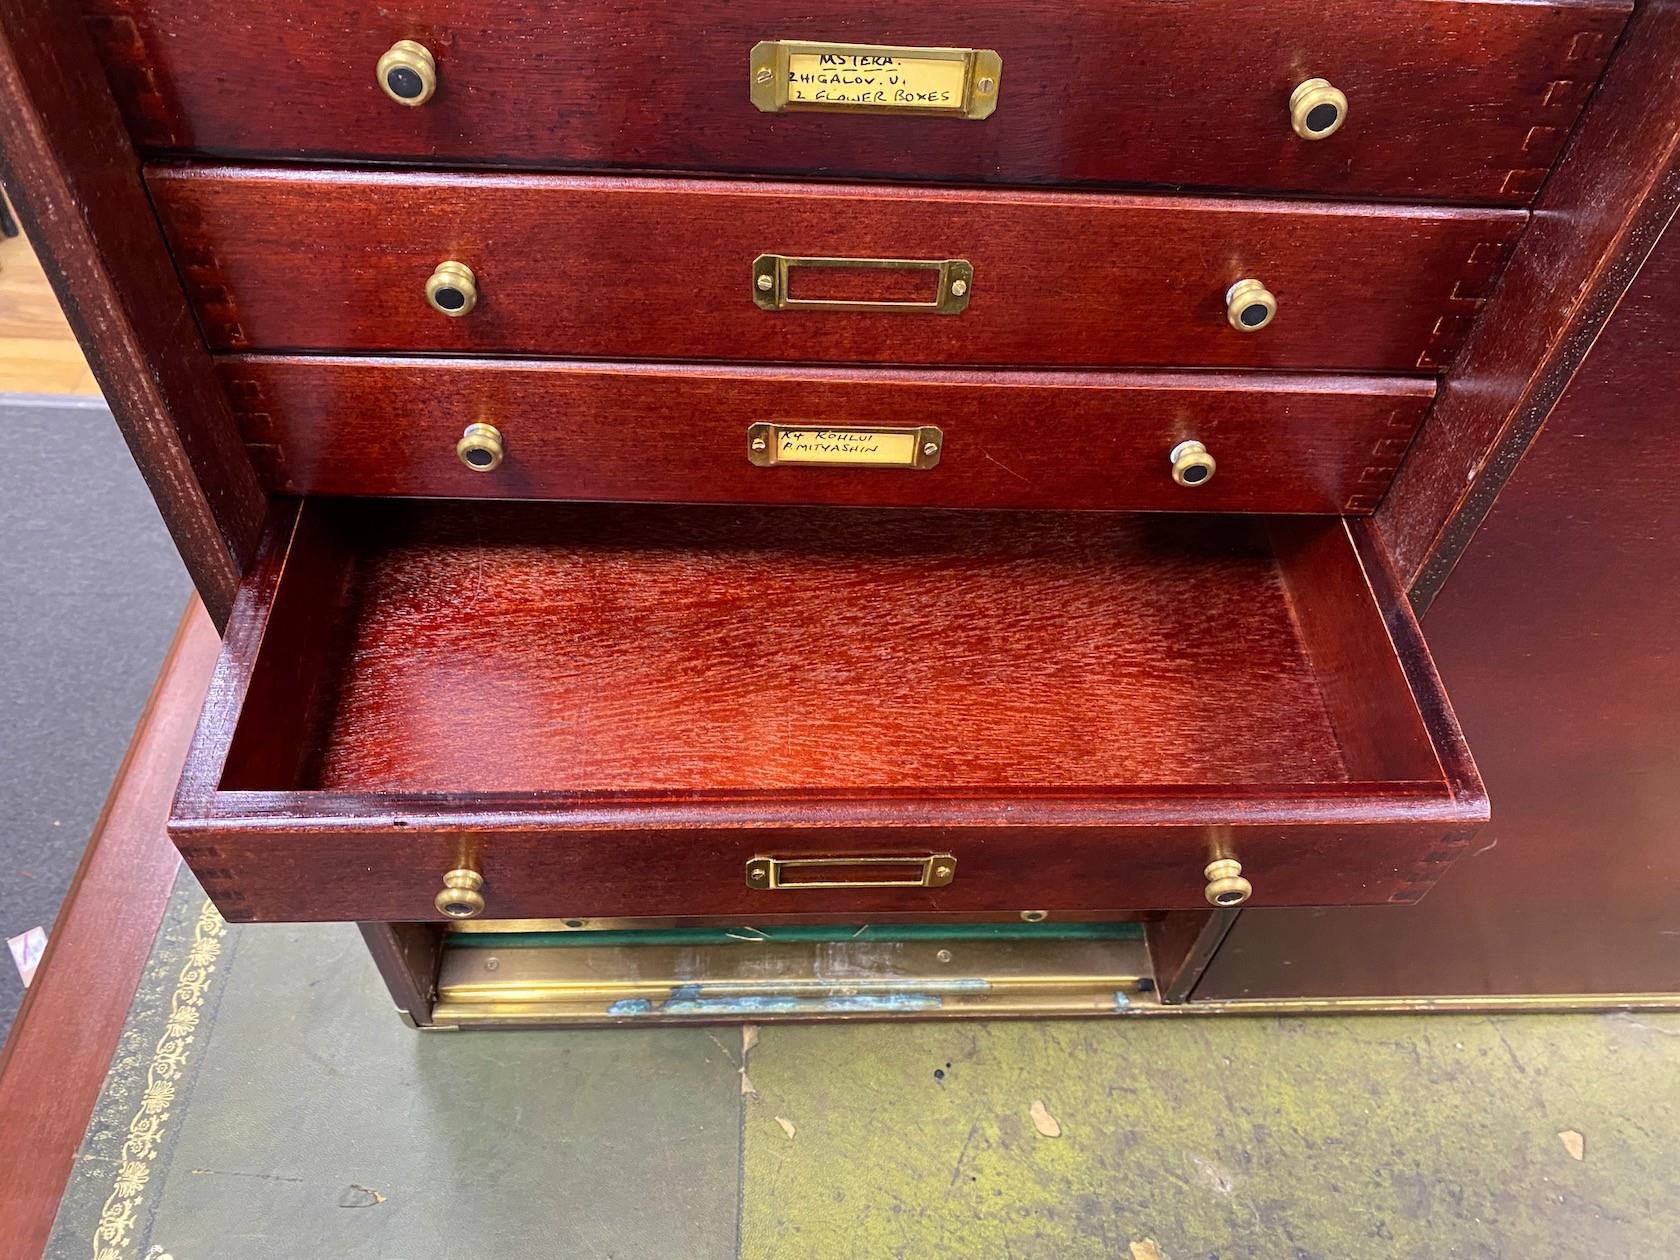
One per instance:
(744, 713)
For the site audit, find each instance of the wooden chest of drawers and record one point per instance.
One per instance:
(637, 310)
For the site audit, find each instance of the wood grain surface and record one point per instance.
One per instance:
(54, 1064)
(1284, 443)
(1557, 636)
(1597, 220)
(38, 352)
(288, 259)
(69, 167)
(1447, 101)
(1083, 702)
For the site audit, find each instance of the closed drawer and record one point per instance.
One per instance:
(628, 711)
(1445, 101)
(672, 269)
(1278, 443)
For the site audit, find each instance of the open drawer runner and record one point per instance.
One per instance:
(743, 713)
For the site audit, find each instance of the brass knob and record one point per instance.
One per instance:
(1191, 464)
(460, 898)
(480, 447)
(1225, 884)
(452, 288)
(408, 73)
(1249, 305)
(1317, 109)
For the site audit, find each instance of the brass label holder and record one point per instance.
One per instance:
(772, 283)
(797, 74)
(936, 870)
(770, 443)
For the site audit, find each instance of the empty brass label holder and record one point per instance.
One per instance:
(772, 283)
(936, 870)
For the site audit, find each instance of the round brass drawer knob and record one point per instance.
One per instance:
(481, 448)
(1249, 305)
(1317, 109)
(460, 898)
(1191, 464)
(1225, 884)
(452, 288)
(408, 73)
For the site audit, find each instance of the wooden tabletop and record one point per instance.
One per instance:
(60, 1048)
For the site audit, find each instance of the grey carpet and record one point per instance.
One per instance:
(90, 591)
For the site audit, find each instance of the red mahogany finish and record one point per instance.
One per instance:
(71, 1020)
(651, 432)
(70, 169)
(1559, 635)
(1448, 101)
(609, 710)
(642, 268)
(1596, 223)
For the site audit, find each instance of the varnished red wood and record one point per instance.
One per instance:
(1597, 220)
(407, 955)
(69, 168)
(652, 432)
(1448, 101)
(611, 709)
(623, 267)
(1556, 634)
(54, 1063)
(1181, 944)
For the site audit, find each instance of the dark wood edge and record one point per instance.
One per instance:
(71, 170)
(1181, 945)
(1187, 380)
(242, 637)
(408, 956)
(1596, 219)
(466, 178)
(1458, 767)
(54, 1064)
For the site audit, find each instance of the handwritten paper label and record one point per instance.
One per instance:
(845, 446)
(769, 444)
(873, 80)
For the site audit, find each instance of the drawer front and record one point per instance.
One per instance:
(659, 873)
(1445, 101)
(640, 432)
(590, 267)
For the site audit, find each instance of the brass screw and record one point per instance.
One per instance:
(764, 74)
(759, 444)
(766, 283)
(986, 86)
(959, 287)
(942, 870)
(759, 875)
(943, 955)
(930, 448)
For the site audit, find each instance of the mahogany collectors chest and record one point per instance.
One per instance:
(729, 466)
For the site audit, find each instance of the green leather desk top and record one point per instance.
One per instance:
(266, 1102)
